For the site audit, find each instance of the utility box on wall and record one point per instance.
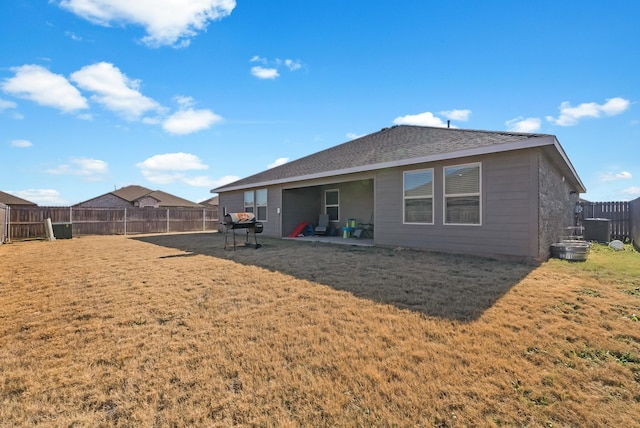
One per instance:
(597, 229)
(62, 230)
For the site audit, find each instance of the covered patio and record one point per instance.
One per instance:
(343, 201)
(338, 240)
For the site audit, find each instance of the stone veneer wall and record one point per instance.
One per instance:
(556, 205)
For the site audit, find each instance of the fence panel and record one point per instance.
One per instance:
(98, 221)
(617, 212)
(4, 223)
(634, 215)
(28, 222)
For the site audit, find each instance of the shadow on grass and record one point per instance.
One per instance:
(448, 286)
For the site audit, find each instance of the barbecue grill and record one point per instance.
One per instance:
(246, 221)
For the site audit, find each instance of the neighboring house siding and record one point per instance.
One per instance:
(506, 210)
(556, 206)
(146, 201)
(105, 201)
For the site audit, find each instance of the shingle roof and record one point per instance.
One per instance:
(9, 199)
(168, 200)
(133, 193)
(398, 145)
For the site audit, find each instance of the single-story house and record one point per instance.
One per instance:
(139, 197)
(211, 202)
(453, 190)
(14, 201)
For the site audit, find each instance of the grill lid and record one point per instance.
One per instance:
(234, 218)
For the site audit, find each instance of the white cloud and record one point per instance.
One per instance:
(36, 83)
(264, 73)
(571, 115)
(614, 176)
(114, 90)
(292, 65)
(633, 191)
(258, 58)
(183, 101)
(43, 197)
(172, 162)
(73, 36)
(173, 167)
(167, 22)
(520, 124)
(353, 135)
(270, 69)
(461, 115)
(89, 168)
(224, 180)
(5, 105)
(188, 121)
(21, 143)
(422, 119)
(278, 162)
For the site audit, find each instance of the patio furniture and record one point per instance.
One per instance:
(323, 225)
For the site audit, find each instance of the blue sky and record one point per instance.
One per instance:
(100, 94)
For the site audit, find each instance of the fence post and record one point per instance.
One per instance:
(125, 222)
(167, 220)
(204, 217)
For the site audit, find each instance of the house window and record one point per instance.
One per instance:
(332, 204)
(462, 194)
(261, 205)
(256, 202)
(418, 196)
(248, 202)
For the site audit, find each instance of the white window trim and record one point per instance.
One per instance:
(404, 198)
(332, 205)
(266, 205)
(244, 201)
(478, 194)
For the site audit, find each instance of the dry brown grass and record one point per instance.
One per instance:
(175, 331)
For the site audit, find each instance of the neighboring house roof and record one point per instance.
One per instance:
(134, 193)
(131, 193)
(168, 200)
(211, 201)
(404, 145)
(9, 199)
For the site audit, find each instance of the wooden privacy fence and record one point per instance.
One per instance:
(635, 222)
(28, 222)
(4, 223)
(618, 214)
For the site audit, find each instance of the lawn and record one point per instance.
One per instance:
(173, 330)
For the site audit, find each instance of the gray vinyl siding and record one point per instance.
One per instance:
(356, 201)
(524, 206)
(506, 204)
(230, 202)
(234, 202)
